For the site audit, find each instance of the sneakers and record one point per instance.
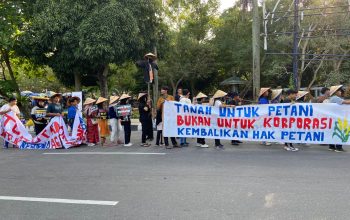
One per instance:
(198, 145)
(128, 145)
(145, 145)
(168, 147)
(220, 147)
(91, 144)
(331, 149)
(204, 146)
(291, 148)
(339, 150)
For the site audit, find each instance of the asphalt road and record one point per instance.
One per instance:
(250, 181)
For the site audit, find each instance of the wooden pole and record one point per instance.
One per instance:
(256, 49)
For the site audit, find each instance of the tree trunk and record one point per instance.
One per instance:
(77, 81)
(102, 77)
(3, 71)
(6, 58)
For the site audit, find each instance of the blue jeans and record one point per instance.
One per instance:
(6, 145)
(182, 141)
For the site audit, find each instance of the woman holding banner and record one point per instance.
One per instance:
(11, 106)
(38, 114)
(126, 121)
(217, 102)
(199, 99)
(264, 99)
(72, 110)
(336, 96)
(90, 111)
(55, 108)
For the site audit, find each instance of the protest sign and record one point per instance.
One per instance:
(291, 123)
(54, 135)
(123, 110)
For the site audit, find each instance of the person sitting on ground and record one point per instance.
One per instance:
(291, 98)
(336, 96)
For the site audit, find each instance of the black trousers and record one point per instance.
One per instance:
(217, 142)
(336, 146)
(147, 131)
(159, 137)
(173, 141)
(38, 128)
(200, 140)
(127, 131)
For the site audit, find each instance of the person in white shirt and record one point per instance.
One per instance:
(184, 99)
(218, 103)
(11, 106)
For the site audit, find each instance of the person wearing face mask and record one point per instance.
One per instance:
(38, 114)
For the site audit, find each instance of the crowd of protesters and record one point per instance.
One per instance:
(106, 124)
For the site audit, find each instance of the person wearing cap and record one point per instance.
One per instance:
(103, 119)
(38, 115)
(73, 103)
(336, 96)
(160, 106)
(91, 111)
(114, 121)
(218, 102)
(11, 106)
(54, 108)
(126, 121)
(199, 99)
(291, 98)
(145, 111)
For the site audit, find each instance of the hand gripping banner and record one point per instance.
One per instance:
(288, 123)
(55, 135)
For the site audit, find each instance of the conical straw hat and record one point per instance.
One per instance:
(333, 89)
(201, 95)
(100, 100)
(89, 101)
(219, 94)
(124, 96)
(301, 94)
(151, 55)
(276, 93)
(263, 90)
(141, 94)
(113, 99)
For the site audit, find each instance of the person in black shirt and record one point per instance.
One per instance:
(126, 121)
(54, 108)
(38, 114)
(145, 110)
(178, 94)
(234, 101)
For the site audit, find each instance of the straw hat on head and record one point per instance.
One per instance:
(151, 55)
(219, 94)
(276, 93)
(89, 101)
(39, 98)
(100, 100)
(301, 94)
(263, 90)
(141, 94)
(113, 99)
(334, 89)
(201, 95)
(124, 96)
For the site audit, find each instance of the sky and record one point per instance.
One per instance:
(224, 4)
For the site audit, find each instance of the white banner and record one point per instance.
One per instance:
(55, 134)
(289, 123)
